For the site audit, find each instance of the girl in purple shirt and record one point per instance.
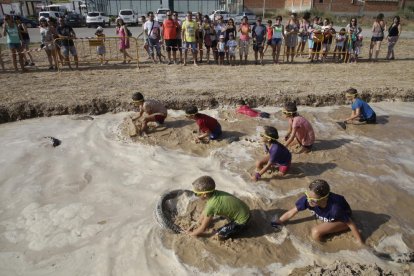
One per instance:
(332, 209)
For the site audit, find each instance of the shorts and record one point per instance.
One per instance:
(160, 118)
(221, 54)
(370, 120)
(258, 47)
(244, 47)
(230, 229)
(283, 168)
(192, 45)
(14, 46)
(25, 43)
(216, 133)
(100, 50)
(171, 44)
(67, 49)
(276, 41)
(326, 47)
(179, 44)
(376, 39)
(310, 43)
(269, 42)
(317, 46)
(154, 43)
(214, 43)
(303, 38)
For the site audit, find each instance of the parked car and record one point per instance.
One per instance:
(74, 20)
(250, 16)
(29, 22)
(161, 14)
(129, 16)
(49, 14)
(97, 19)
(224, 14)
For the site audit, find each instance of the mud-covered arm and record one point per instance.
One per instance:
(205, 221)
(355, 231)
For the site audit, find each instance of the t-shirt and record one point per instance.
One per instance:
(206, 123)
(337, 208)
(46, 36)
(170, 29)
(340, 40)
(227, 205)
(277, 31)
(12, 34)
(232, 44)
(189, 28)
(304, 130)
(221, 46)
(244, 36)
(269, 32)
(66, 31)
(259, 32)
(246, 110)
(153, 29)
(152, 106)
(365, 110)
(279, 154)
(219, 29)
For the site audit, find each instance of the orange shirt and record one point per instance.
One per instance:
(170, 29)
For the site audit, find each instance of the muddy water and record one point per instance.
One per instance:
(86, 207)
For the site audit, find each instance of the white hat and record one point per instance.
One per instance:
(100, 29)
(221, 36)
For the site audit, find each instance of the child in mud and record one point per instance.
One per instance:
(361, 111)
(243, 108)
(155, 111)
(300, 130)
(332, 209)
(219, 203)
(276, 154)
(209, 128)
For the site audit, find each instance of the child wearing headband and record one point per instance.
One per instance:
(332, 209)
(361, 111)
(208, 127)
(300, 130)
(154, 110)
(276, 154)
(219, 203)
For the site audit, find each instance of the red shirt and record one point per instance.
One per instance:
(170, 29)
(206, 123)
(246, 110)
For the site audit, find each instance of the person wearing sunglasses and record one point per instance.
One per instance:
(208, 127)
(219, 203)
(277, 155)
(300, 130)
(331, 209)
(155, 111)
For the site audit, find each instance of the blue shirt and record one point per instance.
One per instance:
(365, 110)
(337, 208)
(279, 154)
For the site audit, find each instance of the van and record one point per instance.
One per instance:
(49, 14)
(129, 17)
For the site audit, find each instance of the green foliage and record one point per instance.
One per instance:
(407, 13)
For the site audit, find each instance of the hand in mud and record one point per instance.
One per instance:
(197, 140)
(277, 226)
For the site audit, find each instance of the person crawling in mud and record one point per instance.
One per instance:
(243, 108)
(332, 209)
(361, 111)
(208, 127)
(277, 155)
(219, 203)
(300, 131)
(154, 111)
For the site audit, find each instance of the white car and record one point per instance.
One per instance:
(251, 17)
(161, 14)
(49, 14)
(129, 16)
(215, 14)
(97, 19)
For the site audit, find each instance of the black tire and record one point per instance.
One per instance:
(161, 210)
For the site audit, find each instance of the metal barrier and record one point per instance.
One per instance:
(93, 50)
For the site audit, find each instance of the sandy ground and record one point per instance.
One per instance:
(96, 90)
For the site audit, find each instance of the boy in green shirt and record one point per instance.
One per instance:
(219, 203)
